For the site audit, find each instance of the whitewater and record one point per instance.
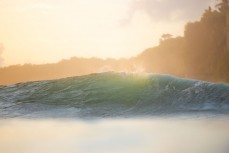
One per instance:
(111, 94)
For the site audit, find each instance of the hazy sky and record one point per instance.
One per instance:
(41, 31)
(1, 50)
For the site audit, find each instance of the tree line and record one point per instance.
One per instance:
(201, 53)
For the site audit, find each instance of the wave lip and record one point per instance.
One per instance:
(112, 94)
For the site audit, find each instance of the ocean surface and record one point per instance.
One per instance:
(110, 94)
(115, 113)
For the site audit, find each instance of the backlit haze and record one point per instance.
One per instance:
(46, 31)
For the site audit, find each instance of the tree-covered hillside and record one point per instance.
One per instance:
(201, 53)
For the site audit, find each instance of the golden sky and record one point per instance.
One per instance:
(45, 31)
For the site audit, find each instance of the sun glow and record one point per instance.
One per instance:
(39, 31)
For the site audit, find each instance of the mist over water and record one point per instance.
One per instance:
(157, 135)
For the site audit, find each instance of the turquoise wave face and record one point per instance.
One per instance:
(112, 94)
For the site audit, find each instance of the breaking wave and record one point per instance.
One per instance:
(112, 94)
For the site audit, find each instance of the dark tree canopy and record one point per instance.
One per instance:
(223, 5)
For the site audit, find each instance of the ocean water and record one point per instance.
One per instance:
(115, 113)
(108, 95)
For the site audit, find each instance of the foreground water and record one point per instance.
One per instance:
(158, 135)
